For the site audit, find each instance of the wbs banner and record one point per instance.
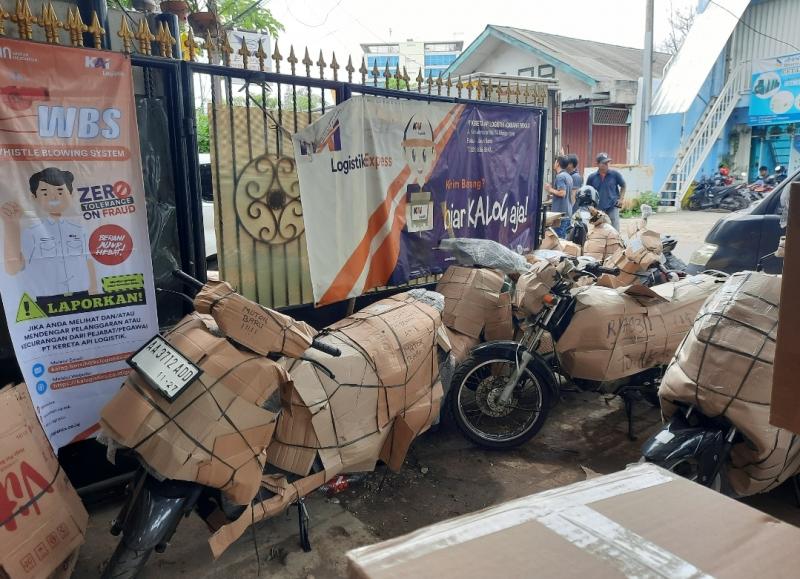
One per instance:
(382, 181)
(77, 281)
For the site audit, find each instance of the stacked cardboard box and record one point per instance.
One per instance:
(216, 431)
(724, 367)
(475, 304)
(553, 242)
(531, 287)
(42, 520)
(619, 332)
(641, 522)
(602, 241)
(642, 251)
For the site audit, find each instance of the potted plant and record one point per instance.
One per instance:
(178, 7)
(201, 21)
(147, 6)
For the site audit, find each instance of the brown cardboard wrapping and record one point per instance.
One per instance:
(601, 242)
(550, 240)
(552, 219)
(260, 329)
(642, 251)
(640, 522)
(43, 520)
(347, 412)
(388, 367)
(724, 367)
(571, 248)
(461, 344)
(474, 302)
(785, 410)
(618, 332)
(216, 431)
(532, 286)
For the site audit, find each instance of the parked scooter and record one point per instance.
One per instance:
(717, 193)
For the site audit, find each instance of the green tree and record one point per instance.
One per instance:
(203, 136)
(249, 15)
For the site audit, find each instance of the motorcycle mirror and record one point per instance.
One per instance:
(744, 175)
(646, 210)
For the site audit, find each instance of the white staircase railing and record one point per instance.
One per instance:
(699, 144)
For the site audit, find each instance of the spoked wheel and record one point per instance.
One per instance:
(480, 414)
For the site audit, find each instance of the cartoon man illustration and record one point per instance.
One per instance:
(419, 240)
(52, 253)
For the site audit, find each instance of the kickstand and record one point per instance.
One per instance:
(628, 400)
(796, 488)
(302, 517)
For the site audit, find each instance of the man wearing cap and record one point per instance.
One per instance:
(610, 187)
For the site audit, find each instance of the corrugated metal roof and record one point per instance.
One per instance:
(771, 30)
(600, 61)
(690, 67)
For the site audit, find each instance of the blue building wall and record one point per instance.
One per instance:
(668, 132)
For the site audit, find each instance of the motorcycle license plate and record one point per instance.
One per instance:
(163, 367)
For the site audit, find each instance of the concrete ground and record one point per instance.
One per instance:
(688, 227)
(444, 476)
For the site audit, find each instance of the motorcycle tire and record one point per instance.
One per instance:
(734, 203)
(126, 563)
(674, 263)
(458, 385)
(695, 205)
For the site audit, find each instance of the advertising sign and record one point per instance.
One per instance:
(775, 94)
(77, 282)
(382, 181)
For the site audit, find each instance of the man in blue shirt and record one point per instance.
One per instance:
(572, 169)
(610, 188)
(561, 193)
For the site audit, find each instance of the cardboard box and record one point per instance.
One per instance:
(552, 219)
(474, 300)
(260, 329)
(640, 522)
(461, 344)
(785, 409)
(550, 240)
(619, 332)
(642, 251)
(724, 367)
(44, 521)
(602, 241)
(571, 248)
(216, 431)
(531, 287)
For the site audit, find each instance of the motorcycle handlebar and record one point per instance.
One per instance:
(187, 279)
(609, 270)
(325, 348)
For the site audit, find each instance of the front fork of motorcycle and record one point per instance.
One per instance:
(528, 345)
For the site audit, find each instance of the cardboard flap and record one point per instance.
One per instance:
(641, 291)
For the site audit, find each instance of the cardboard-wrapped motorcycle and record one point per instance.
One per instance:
(240, 411)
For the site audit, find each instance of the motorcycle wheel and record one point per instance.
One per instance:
(734, 203)
(695, 205)
(126, 563)
(481, 418)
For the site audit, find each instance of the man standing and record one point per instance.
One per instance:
(561, 193)
(610, 188)
(577, 178)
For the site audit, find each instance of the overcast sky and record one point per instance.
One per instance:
(341, 25)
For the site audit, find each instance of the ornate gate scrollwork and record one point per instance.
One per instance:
(267, 198)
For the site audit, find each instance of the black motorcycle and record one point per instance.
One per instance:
(502, 393)
(693, 446)
(717, 193)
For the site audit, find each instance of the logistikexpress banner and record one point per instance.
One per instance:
(77, 282)
(382, 181)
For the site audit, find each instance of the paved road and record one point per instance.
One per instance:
(688, 227)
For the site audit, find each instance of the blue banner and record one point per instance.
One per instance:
(383, 181)
(775, 88)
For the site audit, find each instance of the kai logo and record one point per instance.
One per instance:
(416, 126)
(5, 52)
(83, 122)
(99, 62)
